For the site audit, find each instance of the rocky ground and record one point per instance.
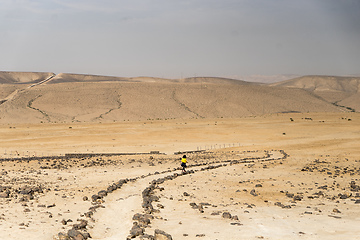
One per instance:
(224, 195)
(303, 184)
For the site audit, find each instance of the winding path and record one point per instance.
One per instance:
(113, 217)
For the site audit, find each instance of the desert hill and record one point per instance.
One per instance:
(342, 91)
(23, 77)
(323, 83)
(88, 98)
(70, 77)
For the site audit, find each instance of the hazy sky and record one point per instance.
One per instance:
(168, 38)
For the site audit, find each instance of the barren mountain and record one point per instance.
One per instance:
(87, 98)
(342, 91)
(23, 77)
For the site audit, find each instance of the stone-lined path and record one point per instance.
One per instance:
(114, 209)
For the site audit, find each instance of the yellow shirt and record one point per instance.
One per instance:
(183, 160)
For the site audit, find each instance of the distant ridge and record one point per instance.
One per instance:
(67, 98)
(23, 77)
(322, 83)
(341, 91)
(70, 77)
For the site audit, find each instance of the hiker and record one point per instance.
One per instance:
(183, 163)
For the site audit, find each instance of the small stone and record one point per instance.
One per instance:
(161, 235)
(236, 223)
(253, 192)
(51, 205)
(75, 234)
(136, 230)
(4, 195)
(81, 225)
(226, 215)
(335, 210)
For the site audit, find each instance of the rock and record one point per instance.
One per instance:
(161, 235)
(354, 187)
(343, 196)
(236, 223)
(297, 198)
(193, 205)
(85, 198)
(75, 235)
(335, 210)
(143, 218)
(63, 236)
(95, 197)
(226, 215)
(136, 230)
(51, 205)
(81, 225)
(147, 236)
(258, 185)
(279, 204)
(186, 194)
(4, 195)
(88, 214)
(160, 206)
(102, 193)
(253, 192)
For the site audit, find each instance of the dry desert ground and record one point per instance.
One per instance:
(276, 176)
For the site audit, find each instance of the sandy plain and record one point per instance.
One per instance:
(278, 176)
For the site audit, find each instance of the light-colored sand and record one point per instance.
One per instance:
(317, 143)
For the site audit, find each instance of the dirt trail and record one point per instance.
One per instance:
(17, 91)
(131, 196)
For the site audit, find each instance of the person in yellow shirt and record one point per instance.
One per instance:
(183, 163)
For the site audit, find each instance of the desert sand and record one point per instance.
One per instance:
(92, 156)
(311, 192)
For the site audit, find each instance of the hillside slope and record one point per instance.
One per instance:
(343, 91)
(23, 77)
(123, 101)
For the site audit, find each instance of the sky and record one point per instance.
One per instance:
(181, 38)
